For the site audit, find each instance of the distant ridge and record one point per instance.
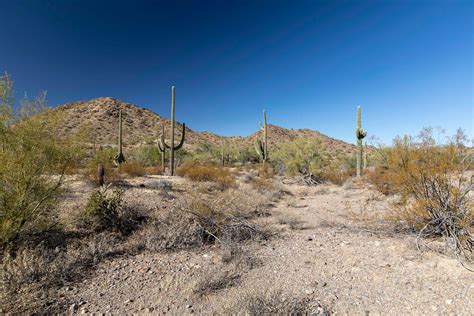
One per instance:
(140, 125)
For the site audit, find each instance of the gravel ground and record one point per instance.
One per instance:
(333, 246)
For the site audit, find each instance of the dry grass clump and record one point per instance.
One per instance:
(434, 189)
(213, 173)
(292, 222)
(198, 220)
(40, 262)
(133, 169)
(265, 171)
(33, 271)
(275, 303)
(337, 176)
(214, 280)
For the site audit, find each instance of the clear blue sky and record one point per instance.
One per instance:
(409, 64)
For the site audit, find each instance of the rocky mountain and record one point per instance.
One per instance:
(140, 125)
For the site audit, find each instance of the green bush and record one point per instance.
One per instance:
(34, 162)
(103, 210)
(147, 155)
(300, 156)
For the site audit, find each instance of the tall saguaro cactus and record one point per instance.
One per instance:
(172, 146)
(262, 146)
(360, 134)
(162, 147)
(365, 156)
(120, 158)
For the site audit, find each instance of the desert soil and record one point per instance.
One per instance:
(332, 245)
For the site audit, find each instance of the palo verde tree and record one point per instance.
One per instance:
(34, 160)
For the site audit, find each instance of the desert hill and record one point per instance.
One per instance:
(140, 125)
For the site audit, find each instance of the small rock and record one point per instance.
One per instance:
(84, 311)
(309, 291)
(449, 302)
(149, 309)
(189, 306)
(310, 238)
(128, 301)
(73, 307)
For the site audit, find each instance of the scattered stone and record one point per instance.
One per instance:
(189, 306)
(128, 301)
(310, 238)
(149, 309)
(73, 308)
(449, 302)
(309, 291)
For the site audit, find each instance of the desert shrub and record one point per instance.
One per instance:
(196, 220)
(106, 211)
(147, 155)
(34, 162)
(434, 189)
(247, 155)
(266, 171)
(37, 269)
(132, 168)
(103, 210)
(300, 156)
(203, 153)
(340, 168)
(220, 175)
(275, 303)
(103, 156)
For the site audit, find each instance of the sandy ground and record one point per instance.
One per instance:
(332, 245)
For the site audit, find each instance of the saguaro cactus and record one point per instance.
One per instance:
(120, 158)
(162, 147)
(365, 155)
(262, 146)
(360, 134)
(100, 174)
(172, 147)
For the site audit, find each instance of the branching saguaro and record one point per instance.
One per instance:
(162, 148)
(360, 135)
(262, 146)
(172, 146)
(120, 158)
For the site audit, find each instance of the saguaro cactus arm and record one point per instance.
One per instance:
(259, 148)
(181, 141)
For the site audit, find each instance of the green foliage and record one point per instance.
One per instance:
(300, 156)
(34, 162)
(103, 210)
(247, 155)
(147, 155)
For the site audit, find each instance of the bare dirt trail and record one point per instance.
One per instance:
(325, 250)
